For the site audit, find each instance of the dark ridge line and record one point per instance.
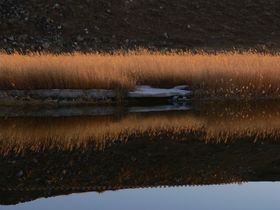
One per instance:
(109, 188)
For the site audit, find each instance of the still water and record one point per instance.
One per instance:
(209, 157)
(252, 195)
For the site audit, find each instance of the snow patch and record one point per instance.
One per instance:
(151, 92)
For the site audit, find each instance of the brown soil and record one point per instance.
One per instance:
(84, 25)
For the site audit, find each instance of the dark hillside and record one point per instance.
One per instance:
(90, 25)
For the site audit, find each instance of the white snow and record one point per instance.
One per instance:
(150, 92)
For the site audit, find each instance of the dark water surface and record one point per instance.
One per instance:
(252, 195)
(209, 157)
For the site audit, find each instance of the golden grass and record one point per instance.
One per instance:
(222, 124)
(222, 74)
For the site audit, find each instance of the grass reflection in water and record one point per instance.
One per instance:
(211, 123)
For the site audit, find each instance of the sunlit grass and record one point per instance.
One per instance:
(222, 74)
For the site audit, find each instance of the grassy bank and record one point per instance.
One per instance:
(223, 74)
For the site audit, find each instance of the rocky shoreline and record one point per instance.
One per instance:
(93, 96)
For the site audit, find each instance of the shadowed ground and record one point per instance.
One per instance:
(109, 25)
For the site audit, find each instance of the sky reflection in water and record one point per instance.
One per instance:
(252, 195)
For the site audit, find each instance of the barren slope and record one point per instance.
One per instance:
(87, 25)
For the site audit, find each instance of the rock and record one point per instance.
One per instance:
(133, 158)
(80, 38)
(49, 20)
(23, 37)
(20, 174)
(46, 45)
(11, 38)
(56, 6)
(166, 35)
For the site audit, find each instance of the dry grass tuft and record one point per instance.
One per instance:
(223, 74)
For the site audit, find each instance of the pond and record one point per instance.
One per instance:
(192, 156)
(252, 195)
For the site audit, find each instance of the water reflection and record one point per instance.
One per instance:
(209, 144)
(257, 196)
(207, 122)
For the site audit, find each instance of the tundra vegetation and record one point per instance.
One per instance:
(224, 74)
